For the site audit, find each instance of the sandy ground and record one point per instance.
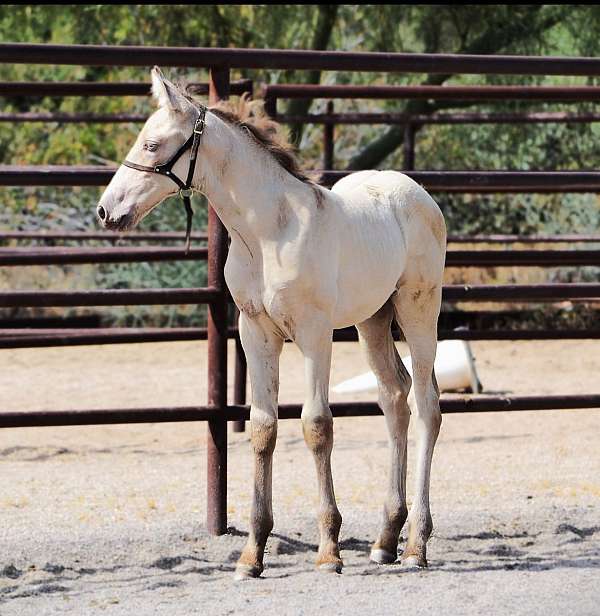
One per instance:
(109, 519)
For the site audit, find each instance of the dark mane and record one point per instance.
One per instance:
(250, 116)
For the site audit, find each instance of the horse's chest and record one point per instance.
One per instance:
(245, 287)
(257, 288)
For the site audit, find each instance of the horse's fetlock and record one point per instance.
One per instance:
(420, 528)
(396, 513)
(262, 529)
(331, 520)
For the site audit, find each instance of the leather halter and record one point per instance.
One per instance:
(185, 188)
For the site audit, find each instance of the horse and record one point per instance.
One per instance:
(303, 261)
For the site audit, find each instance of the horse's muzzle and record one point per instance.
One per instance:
(120, 223)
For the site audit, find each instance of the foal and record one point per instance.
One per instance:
(304, 261)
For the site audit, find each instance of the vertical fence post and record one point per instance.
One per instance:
(409, 146)
(216, 506)
(328, 144)
(239, 378)
(271, 107)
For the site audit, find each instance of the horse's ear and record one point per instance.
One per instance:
(165, 93)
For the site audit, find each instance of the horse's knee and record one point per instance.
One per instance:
(263, 434)
(318, 432)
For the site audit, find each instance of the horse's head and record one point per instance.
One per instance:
(133, 192)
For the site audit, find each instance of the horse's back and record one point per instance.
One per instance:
(416, 212)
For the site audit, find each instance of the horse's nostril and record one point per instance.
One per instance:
(101, 212)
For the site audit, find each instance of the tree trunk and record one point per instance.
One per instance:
(493, 40)
(326, 17)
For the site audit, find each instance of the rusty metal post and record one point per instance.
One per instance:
(271, 106)
(328, 143)
(239, 379)
(216, 506)
(409, 146)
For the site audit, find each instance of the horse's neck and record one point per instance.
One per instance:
(243, 183)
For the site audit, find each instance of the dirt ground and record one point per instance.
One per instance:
(109, 519)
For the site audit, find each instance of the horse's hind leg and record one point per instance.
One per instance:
(417, 308)
(394, 384)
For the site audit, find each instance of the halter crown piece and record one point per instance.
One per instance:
(185, 188)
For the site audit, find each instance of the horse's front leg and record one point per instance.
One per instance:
(262, 346)
(314, 340)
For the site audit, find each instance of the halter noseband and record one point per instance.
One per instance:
(185, 188)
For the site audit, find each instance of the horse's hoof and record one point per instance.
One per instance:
(331, 567)
(247, 572)
(413, 561)
(382, 557)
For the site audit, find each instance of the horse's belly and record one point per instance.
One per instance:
(365, 284)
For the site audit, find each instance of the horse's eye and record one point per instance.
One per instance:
(151, 147)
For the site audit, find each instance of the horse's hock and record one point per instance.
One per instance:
(217, 411)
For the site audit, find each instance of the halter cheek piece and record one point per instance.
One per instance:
(185, 188)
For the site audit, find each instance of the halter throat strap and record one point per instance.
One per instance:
(185, 188)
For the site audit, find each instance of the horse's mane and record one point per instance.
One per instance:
(250, 115)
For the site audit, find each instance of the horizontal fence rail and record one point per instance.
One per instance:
(34, 337)
(451, 293)
(538, 258)
(443, 181)
(520, 292)
(462, 93)
(454, 258)
(514, 239)
(113, 236)
(55, 175)
(329, 118)
(441, 118)
(495, 181)
(106, 88)
(140, 236)
(137, 55)
(72, 256)
(458, 404)
(73, 118)
(110, 297)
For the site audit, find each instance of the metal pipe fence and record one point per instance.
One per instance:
(23, 256)
(288, 59)
(474, 182)
(162, 236)
(524, 293)
(438, 93)
(413, 122)
(18, 338)
(217, 412)
(210, 414)
(103, 88)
